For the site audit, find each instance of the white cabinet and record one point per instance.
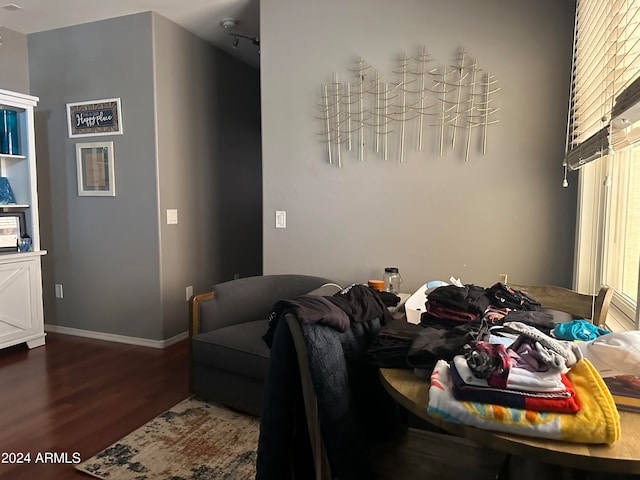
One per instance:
(21, 316)
(21, 300)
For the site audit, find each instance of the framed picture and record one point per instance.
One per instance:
(12, 227)
(95, 170)
(96, 117)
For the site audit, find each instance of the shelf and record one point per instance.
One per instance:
(7, 156)
(21, 308)
(8, 255)
(14, 205)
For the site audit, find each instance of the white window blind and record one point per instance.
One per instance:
(604, 90)
(604, 119)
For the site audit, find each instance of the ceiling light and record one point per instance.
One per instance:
(11, 6)
(228, 23)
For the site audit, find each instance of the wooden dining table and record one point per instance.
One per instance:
(623, 456)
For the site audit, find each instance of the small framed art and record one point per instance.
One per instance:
(12, 227)
(96, 117)
(95, 169)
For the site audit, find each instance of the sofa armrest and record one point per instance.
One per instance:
(194, 311)
(246, 299)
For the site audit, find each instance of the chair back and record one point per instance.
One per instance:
(590, 307)
(318, 451)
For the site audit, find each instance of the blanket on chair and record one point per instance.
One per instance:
(597, 421)
(353, 407)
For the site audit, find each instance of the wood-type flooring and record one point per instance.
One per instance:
(75, 396)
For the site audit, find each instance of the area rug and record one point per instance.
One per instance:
(194, 440)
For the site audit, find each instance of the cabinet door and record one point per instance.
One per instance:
(20, 312)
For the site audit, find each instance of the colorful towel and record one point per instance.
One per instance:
(597, 421)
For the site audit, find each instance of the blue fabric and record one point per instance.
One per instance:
(578, 330)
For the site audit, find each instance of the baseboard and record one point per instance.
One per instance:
(112, 337)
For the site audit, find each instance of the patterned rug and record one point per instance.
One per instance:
(194, 440)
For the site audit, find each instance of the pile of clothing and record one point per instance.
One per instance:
(454, 317)
(497, 359)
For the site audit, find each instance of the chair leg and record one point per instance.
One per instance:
(503, 473)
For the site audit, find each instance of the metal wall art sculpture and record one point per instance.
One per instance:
(362, 113)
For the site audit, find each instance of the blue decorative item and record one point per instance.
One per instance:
(24, 243)
(9, 141)
(6, 195)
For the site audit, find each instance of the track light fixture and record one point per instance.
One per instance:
(253, 40)
(229, 23)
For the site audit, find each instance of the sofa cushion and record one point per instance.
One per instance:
(238, 349)
(250, 298)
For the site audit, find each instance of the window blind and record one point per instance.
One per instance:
(605, 84)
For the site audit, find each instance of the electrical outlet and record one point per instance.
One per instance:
(172, 216)
(59, 292)
(189, 292)
(503, 278)
(281, 219)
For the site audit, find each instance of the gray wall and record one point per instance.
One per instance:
(125, 271)
(432, 216)
(103, 250)
(14, 62)
(208, 117)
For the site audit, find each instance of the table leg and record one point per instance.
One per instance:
(503, 473)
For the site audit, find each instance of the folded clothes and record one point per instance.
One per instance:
(528, 354)
(558, 354)
(489, 361)
(439, 310)
(518, 379)
(578, 330)
(390, 346)
(542, 320)
(469, 298)
(561, 401)
(597, 421)
(433, 344)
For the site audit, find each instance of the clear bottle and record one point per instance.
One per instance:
(392, 280)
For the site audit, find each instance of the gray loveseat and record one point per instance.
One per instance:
(229, 359)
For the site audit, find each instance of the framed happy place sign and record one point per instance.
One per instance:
(96, 117)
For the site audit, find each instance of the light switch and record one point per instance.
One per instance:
(281, 219)
(172, 216)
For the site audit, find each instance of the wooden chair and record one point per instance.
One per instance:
(589, 307)
(580, 305)
(415, 455)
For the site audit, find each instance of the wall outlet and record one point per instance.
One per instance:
(172, 216)
(503, 278)
(189, 292)
(59, 292)
(281, 219)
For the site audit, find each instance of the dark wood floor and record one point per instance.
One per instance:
(81, 395)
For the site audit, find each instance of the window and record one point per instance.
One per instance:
(605, 108)
(622, 240)
(608, 244)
